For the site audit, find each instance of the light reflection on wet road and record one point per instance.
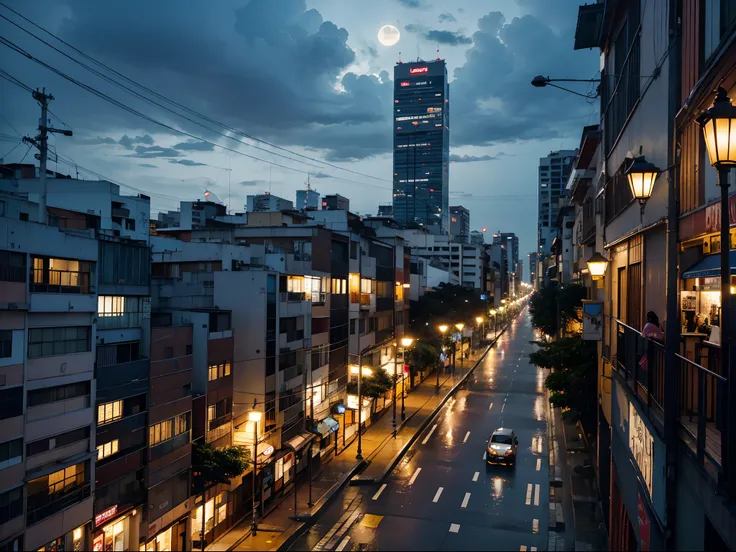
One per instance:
(442, 496)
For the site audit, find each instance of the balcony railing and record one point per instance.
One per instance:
(10, 273)
(119, 320)
(293, 296)
(59, 281)
(46, 509)
(641, 362)
(702, 397)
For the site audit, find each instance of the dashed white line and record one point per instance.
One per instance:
(343, 543)
(454, 528)
(485, 454)
(522, 548)
(536, 494)
(466, 437)
(378, 493)
(539, 464)
(475, 476)
(438, 494)
(431, 431)
(490, 407)
(535, 526)
(503, 406)
(528, 494)
(414, 477)
(465, 501)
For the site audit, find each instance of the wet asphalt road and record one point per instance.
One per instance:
(442, 495)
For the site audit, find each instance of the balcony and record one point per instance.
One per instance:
(59, 281)
(162, 449)
(367, 301)
(293, 296)
(122, 380)
(48, 505)
(384, 303)
(588, 221)
(702, 393)
(119, 321)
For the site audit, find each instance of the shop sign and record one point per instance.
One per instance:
(641, 444)
(418, 70)
(353, 402)
(712, 283)
(103, 516)
(592, 320)
(268, 451)
(99, 542)
(713, 215)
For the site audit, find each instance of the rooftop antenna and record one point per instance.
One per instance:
(438, 52)
(400, 62)
(419, 52)
(269, 178)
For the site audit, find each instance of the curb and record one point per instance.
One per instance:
(291, 535)
(397, 458)
(556, 519)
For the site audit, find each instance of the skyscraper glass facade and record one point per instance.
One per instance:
(422, 145)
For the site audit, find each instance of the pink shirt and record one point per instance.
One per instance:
(652, 331)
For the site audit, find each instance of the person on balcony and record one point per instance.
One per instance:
(652, 329)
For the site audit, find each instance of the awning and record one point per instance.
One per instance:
(710, 266)
(299, 442)
(328, 426)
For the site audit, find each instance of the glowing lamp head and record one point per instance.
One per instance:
(254, 416)
(719, 130)
(641, 176)
(597, 266)
(459, 326)
(442, 328)
(479, 319)
(407, 341)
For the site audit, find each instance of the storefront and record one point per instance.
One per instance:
(115, 530)
(327, 431)
(637, 477)
(174, 538)
(213, 519)
(75, 540)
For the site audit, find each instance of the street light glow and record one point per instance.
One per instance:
(442, 328)
(254, 416)
(407, 341)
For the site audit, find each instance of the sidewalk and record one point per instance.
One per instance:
(379, 449)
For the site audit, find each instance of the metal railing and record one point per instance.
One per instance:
(114, 321)
(701, 399)
(641, 361)
(59, 281)
(49, 505)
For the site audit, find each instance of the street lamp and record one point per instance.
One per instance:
(540, 81)
(719, 130)
(406, 342)
(254, 417)
(492, 312)
(361, 371)
(479, 321)
(597, 266)
(443, 329)
(641, 175)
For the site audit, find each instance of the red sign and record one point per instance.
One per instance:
(418, 70)
(713, 215)
(405, 83)
(644, 524)
(103, 516)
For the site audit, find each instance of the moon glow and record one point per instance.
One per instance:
(388, 35)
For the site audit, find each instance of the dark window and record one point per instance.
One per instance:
(23, 216)
(6, 343)
(11, 504)
(353, 250)
(11, 402)
(352, 327)
(118, 353)
(15, 545)
(124, 264)
(189, 349)
(12, 266)
(43, 342)
(60, 393)
(62, 440)
(53, 492)
(11, 453)
(168, 352)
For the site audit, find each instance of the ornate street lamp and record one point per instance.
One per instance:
(406, 342)
(253, 417)
(443, 329)
(597, 266)
(719, 130)
(641, 176)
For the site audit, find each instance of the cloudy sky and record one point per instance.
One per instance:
(201, 81)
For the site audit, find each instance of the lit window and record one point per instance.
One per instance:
(109, 412)
(108, 449)
(217, 371)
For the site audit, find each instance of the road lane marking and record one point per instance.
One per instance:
(490, 407)
(454, 528)
(485, 455)
(503, 406)
(535, 526)
(466, 437)
(465, 501)
(533, 549)
(528, 494)
(438, 494)
(475, 476)
(539, 444)
(343, 543)
(539, 464)
(536, 494)
(375, 496)
(414, 477)
(431, 431)
(522, 548)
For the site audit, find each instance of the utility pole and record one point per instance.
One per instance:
(40, 142)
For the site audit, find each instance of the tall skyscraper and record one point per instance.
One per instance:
(459, 224)
(511, 242)
(554, 170)
(422, 145)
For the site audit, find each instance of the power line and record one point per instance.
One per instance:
(2, 157)
(170, 101)
(10, 78)
(137, 113)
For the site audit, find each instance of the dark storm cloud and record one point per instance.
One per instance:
(415, 28)
(280, 71)
(446, 18)
(99, 140)
(252, 183)
(320, 175)
(188, 163)
(449, 38)
(194, 145)
(128, 143)
(147, 165)
(411, 3)
(475, 158)
(153, 152)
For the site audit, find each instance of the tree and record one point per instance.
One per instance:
(424, 357)
(572, 382)
(217, 465)
(447, 304)
(373, 386)
(545, 303)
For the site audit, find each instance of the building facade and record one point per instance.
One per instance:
(422, 145)
(554, 170)
(459, 224)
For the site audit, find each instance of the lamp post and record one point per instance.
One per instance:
(360, 371)
(396, 384)
(405, 344)
(492, 312)
(479, 320)
(443, 329)
(719, 130)
(254, 417)
(459, 327)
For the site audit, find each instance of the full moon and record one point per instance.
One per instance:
(388, 35)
